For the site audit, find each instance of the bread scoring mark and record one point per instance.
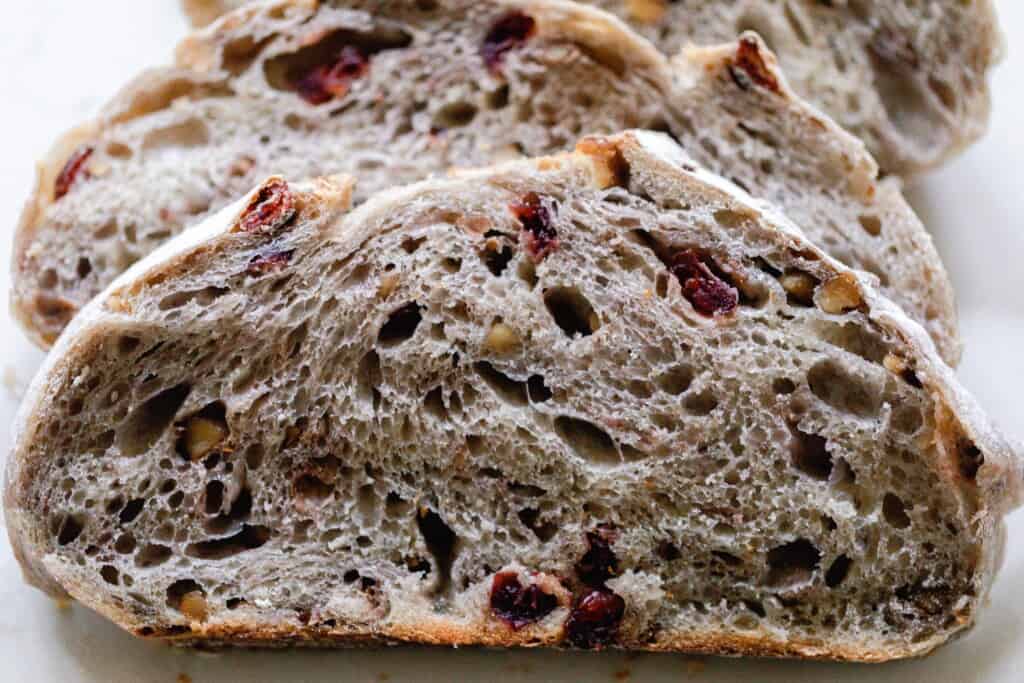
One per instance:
(749, 67)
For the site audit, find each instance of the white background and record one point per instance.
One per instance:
(61, 60)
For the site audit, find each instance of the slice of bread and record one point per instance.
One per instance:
(600, 399)
(909, 77)
(447, 83)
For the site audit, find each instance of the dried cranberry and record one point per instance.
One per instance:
(709, 293)
(68, 174)
(518, 606)
(538, 233)
(595, 618)
(271, 209)
(326, 82)
(510, 32)
(749, 67)
(599, 563)
(261, 264)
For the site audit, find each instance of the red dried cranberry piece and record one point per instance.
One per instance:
(599, 563)
(518, 606)
(594, 620)
(510, 32)
(538, 233)
(750, 68)
(261, 264)
(709, 293)
(326, 82)
(68, 174)
(271, 209)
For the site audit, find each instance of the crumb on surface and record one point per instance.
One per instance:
(184, 678)
(694, 667)
(622, 675)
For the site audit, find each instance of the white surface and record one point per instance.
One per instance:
(63, 59)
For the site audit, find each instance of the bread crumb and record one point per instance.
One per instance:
(184, 678)
(622, 675)
(694, 667)
(62, 604)
(383, 677)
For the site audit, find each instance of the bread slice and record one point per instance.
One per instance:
(601, 399)
(460, 84)
(908, 77)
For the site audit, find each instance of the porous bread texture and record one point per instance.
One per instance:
(344, 427)
(910, 77)
(184, 141)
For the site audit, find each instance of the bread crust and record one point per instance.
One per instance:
(996, 490)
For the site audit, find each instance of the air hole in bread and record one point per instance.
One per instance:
(507, 389)
(179, 589)
(588, 441)
(213, 497)
(441, 542)
(668, 551)
(70, 529)
(283, 71)
(842, 390)
(400, 326)
(433, 403)
(675, 380)
(969, 459)
(454, 115)
(497, 98)
(783, 386)
(497, 253)
(131, 510)
(544, 531)
(110, 574)
(537, 390)
(395, 506)
(571, 311)
(895, 511)
(809, 454)
(239, 510)
(249, 538)
(792, 564)
(152, 555)
(838, 571)
(310, 491)
(872, 224)
(204, 297)
(125, 544)
(727, 559)
(410, 245)
(701, 403)
(186, 134)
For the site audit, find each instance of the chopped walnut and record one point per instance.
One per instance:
(841, 294)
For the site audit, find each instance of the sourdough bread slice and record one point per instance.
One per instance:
(909, 77)
(600, 399)
(447, 83)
